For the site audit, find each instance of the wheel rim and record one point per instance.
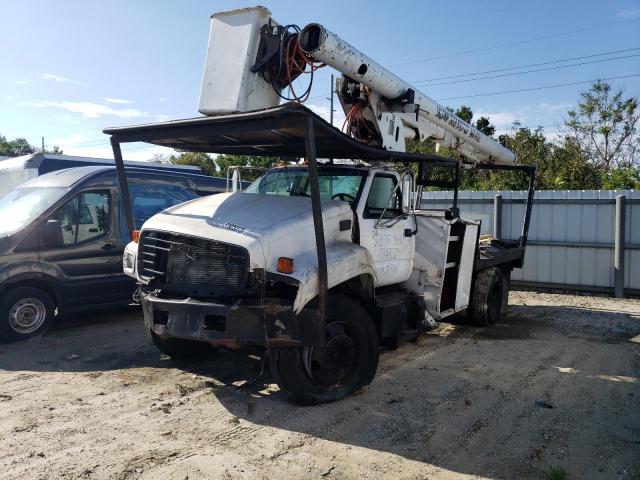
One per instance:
(27, 315)
(329, 365)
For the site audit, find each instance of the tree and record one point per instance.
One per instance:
(219, 165)
(465, 113)
(160, 158)
(484, 125)
(199, 159)
(605, 127)
(16, 147)
(20, 146)
(54, 151)
(569, 169)
(226, 161)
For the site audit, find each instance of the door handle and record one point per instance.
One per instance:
(108, 246)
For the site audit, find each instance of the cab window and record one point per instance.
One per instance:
(383, 197)
(85, 217)
(341, 185)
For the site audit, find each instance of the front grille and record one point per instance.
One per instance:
(185, 261)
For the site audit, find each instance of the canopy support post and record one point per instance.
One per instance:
(316, 208)
(124, 185)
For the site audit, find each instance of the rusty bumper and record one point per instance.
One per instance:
(247, 322)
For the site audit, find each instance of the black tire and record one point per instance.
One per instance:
(181, 349)
(486, 297)
(308, 375)
(24, 313)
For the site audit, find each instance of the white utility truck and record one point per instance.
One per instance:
(330, 256)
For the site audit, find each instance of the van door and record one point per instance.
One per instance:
(80, 248)
(382, 228)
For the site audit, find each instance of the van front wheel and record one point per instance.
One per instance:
(25, 312)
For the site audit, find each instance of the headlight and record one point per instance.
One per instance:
(128, 262)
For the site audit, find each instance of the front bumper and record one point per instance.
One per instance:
(248, 322)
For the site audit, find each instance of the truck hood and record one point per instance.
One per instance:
(254, 221)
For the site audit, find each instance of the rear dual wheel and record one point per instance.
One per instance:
(347, 361)
(487, 297)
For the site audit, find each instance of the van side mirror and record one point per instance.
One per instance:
(51, 234)
(407, 194)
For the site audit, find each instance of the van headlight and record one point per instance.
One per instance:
(129, 263)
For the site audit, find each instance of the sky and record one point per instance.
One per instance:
(69, 68)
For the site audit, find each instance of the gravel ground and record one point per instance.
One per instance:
(554, 384)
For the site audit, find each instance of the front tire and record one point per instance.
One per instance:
(25, 312)
(487, 297)
(181, 349)
(348, 360)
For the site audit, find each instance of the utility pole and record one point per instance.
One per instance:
(331, 100)
(331, 111)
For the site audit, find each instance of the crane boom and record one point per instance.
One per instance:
(252, 59)
(402, 107)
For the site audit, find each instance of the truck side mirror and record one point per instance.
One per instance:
(406, 193)
(51, 234)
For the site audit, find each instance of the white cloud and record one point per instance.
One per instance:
(629, 13)
(547, 114)
(58, 78)
(499, 119)
(161, 99)
(90, 109)
(20, 82)
(323, 110)
(138, 152)
(116, 100)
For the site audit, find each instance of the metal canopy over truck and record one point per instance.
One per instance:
(237, 270)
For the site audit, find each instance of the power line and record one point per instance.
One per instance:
(530, 71)
(527, 127)
(506, 69)
(518, 42)
(538, 88)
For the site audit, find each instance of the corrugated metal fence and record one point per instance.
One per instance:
(571, 237)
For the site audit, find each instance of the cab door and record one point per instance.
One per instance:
(385, 231)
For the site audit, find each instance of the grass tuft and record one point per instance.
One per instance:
(556, 473)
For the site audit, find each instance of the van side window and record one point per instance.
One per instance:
(381, 195)
(84, 217)
(152, 198)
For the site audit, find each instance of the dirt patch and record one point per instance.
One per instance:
(555, 384)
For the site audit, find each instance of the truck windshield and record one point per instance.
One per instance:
(336, 185)
(21, 206)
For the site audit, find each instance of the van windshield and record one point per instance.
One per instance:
(343, 185)
(21, 206)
